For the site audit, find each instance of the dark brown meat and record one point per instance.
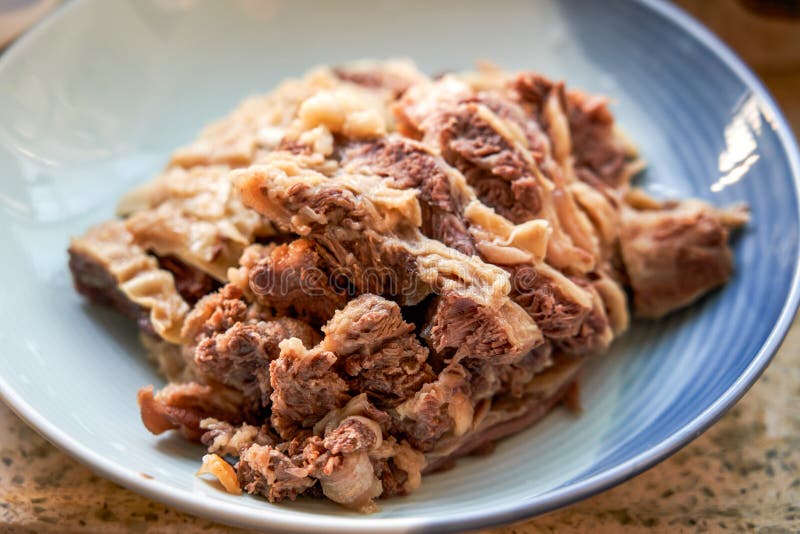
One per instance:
(191, 283)
(305, 387)
(460, 327)
(377, 350)
(542, 292)
(440, 407)
(390, 253)
(215, 313)
(673, 255)
(599, 154)
(267, 471)
(339, 460)
(409, 164)
(240, 356)
(498, 172)
(293, 279)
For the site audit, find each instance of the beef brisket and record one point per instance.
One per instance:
(368, 273)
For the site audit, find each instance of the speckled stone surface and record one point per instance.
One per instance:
(742, 474)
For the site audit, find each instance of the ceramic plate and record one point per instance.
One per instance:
(94, 98)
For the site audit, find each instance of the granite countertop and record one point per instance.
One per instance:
(743, 473)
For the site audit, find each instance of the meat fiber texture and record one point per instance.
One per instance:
(367, 273)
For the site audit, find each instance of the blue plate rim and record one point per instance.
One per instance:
(310, 522)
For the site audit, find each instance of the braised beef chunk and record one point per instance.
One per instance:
(411, 165)
(498, 172)
(215, 313)
(460, 326)
(369, 273)
(377, 350)
(438, 408)
(598, 152)
(240, 356)
(293, 279)
(600, 156)
(674, 255)
(305, 387)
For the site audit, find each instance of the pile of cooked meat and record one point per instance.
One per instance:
(367, 273)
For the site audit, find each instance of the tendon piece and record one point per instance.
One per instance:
(214, 465)
(184, 406)
(240, 356)
(195, 215)
(294, 279)
(109, 268)
(377, 350)
(258, 123)
(673, 255)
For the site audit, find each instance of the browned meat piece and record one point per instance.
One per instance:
(508, 163)
(558, 305)
(599, 152)
(215, 313)
(305, 387)
(184, 406)
(352, 435)
(600, 155)
(265, 470)
(293, 279)
(341, 460)
(498, 172)
(410, 164)
(240, 356)
(377, 349)
(595, 333)
(191, 283)
(460, 327)
(440, 407)
(674, 255)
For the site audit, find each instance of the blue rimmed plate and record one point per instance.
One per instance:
(94, 98)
